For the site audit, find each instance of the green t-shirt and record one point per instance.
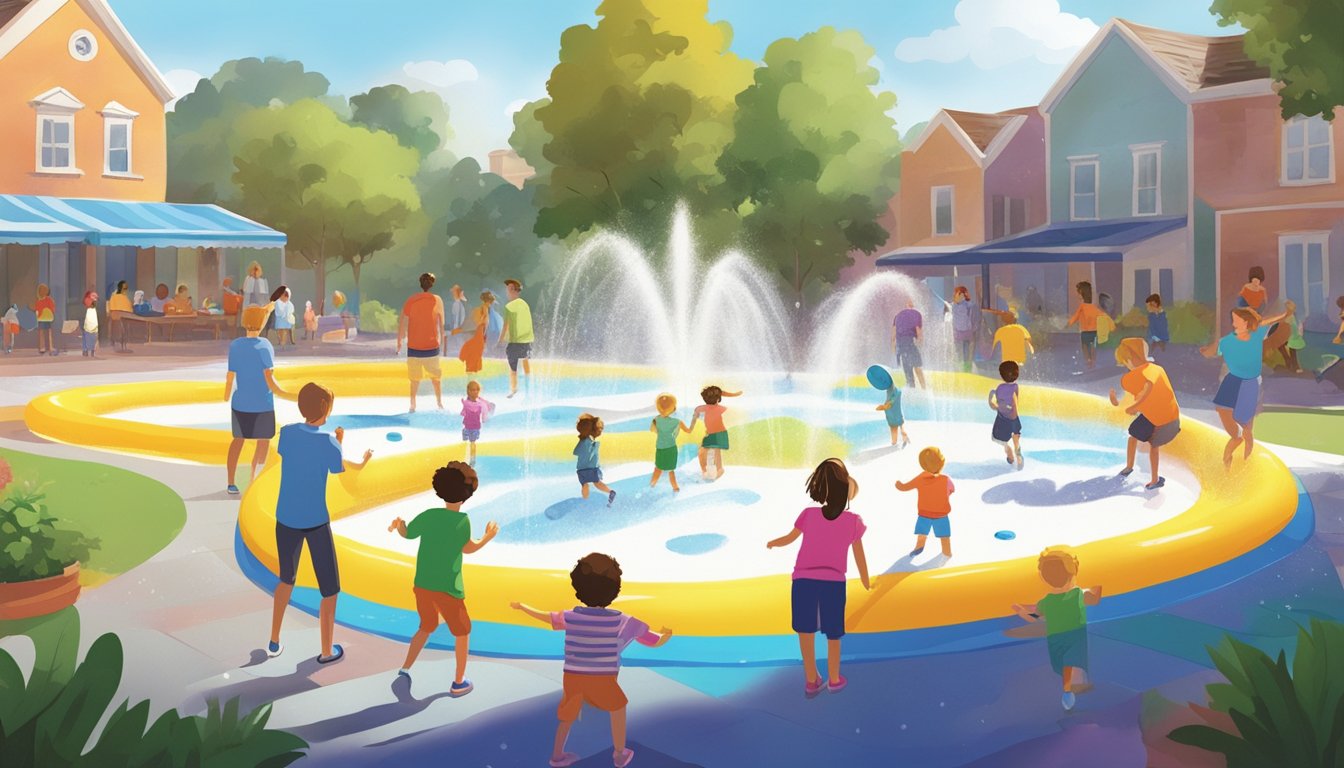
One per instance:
(1063, 612)
(668, 426)
(519, 317)
(442, 534)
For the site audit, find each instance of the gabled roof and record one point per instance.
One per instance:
(982, 134)
(18, 20)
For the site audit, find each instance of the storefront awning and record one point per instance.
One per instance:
(1074, 241)
(40, 220)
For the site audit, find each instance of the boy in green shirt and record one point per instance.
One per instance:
(445, 536)
(518, 331)
(1065, 612)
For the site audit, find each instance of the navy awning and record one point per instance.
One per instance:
(41, 220)
(1073, 241)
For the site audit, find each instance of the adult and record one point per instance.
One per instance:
(421, 328)
(256, 291)
(160, 300)
(1086, 317)
(906, 332)
(1253, 294)
(518, 332)
(1238, 396)
(473, 350)
(1035, 305)
(965, 316)
(119, 301)
(252, 401)
(457, 315)
(181, 302)
(1157, 415)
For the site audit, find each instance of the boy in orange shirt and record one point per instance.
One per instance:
(1157, 414)
(934, 504)
(1086, 317)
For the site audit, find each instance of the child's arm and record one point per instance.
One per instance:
(884, 407)
(653, 425)
(664, 635)
(228, 385)
(733, 394)
(1092, 595)
(861, 563)
(785, 540)
(910, 486)
(1027, 611)
(269, 373)
(992, 406)
(1114, 400)
(1077, 313)
(491, 530)
(1015, 401)
(541, 616)
(399, 526)
(684, 428)
(353, 466)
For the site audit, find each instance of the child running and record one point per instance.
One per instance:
(1238, 396)
(445, 536)
(595, 636)
(666, 425)
(829, 532)
(895, 419)
(475, 411)
(933, 503)
(716, 434)
(1064, 610)
(1086, 317)
(1156, 414)
(1159, 330)
(589, 463)
(1007, 424)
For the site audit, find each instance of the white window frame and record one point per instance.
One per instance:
(115, 114)
(1095, 162)
(1304, 239)
(951, 208)
(1138, 151)
(59, 106)
(56, 118)
(1306, 180)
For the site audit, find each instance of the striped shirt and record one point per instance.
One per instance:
(595, 637)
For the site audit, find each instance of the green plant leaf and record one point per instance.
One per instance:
(1213, 740)
(70, 720)
(11, 691)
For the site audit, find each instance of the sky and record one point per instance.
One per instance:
(489, 58)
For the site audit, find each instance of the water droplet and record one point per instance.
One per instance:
(503, 746)
(903, 726)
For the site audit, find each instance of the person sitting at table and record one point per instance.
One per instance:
(181, 303)
(119, 301)
(160, 299)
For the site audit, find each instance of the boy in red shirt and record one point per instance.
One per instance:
(934, 505)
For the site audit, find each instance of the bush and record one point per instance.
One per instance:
(1281, 716)
(1189, 322)
(35, 548)
(376, 317)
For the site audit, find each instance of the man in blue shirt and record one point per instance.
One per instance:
(251, 367)
(308, 455)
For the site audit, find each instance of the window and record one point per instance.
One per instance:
(941, 198)
(1143, 286)
(117, 133)
(1307, 151)
(1083, 173)
(1166, 285)
(1305, 269)
(83, 45)
(56, 149)
(1147, 179)
(1008, 216)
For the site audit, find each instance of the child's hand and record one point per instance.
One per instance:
(1131, 410)
(665, 632)
(340, 434)
(516, 606)
(491, 529)
(1114, 399)
(368, 455)
(397, 523)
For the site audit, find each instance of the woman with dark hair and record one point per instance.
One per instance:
(1253, 293)
(964, 317)
(829, 532)
(119, 301)
(1238, 396)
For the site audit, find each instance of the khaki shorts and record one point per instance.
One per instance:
(420, 368)
(602, 691)
(431, 605)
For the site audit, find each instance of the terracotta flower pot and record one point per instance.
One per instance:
(26, 599)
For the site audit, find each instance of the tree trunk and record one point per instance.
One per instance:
(320, 286)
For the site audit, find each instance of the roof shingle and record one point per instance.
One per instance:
(983, 127)
(1199, 62)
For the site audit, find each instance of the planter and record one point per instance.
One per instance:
(26, 599)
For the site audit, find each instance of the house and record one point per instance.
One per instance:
(508, 165)
(83, 168)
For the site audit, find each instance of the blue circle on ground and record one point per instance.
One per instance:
(394, 437)
(879, 377)
(697, 543)
(1005, 535)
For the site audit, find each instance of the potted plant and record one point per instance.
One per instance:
(39, 561)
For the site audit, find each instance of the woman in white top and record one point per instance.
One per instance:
(256, 291)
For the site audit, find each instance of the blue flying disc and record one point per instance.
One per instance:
(879, 377)
(394, 437)
(1005, 535)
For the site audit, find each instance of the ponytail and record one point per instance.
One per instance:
(829, 486)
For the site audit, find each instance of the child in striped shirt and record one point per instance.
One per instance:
(595, 635)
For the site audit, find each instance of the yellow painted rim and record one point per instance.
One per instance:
(1236, 512)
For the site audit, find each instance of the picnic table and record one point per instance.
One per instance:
(168, 324)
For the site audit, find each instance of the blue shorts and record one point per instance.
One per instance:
(1068, 649)
(44, 325)
(516, 351)
(819, 606)
(587, 476)
(1004, 428)
(1089, 339)
(471, 435)
(940, 526)
(1241, 396)
(321, 550)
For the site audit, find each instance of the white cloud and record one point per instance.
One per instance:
(441, 74)
(992, 33)
(514, 106)
(182, 82)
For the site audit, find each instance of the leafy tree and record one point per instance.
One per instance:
(338, 191)
(1293, 39)
(529, 139)
(815, 157)
(419, 119)
(493, 239)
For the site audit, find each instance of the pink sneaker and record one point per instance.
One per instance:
(623, 759)
(838, 687)
(812, 690)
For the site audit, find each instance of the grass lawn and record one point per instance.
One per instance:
(132, 515)
(1316, 430)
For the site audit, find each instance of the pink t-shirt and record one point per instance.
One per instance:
(475, 412)
(713, 415)
(824, 554)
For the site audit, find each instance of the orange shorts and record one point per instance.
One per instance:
(12, 328)
(431, 605)
(602, 691)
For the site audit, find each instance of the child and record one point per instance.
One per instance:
(1007, 425)
(301, 515)
(828, 532)
(445, 536)
(933, 503)
(45, 308)
(595, 635)
(475, 411)
(90, 335)
(284, 318)
(309, 321)
(589, 465)
(1065, 612)
(1253, 293)
(716, 434)
(1294, 342)
(665, 449)
(1013, 340)
(1159, 332)
(11, 323)
(1086, 316)
(1157, 416)
(895, 419)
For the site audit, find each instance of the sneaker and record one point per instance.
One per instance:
(1161, 481)
(812, 690)
(611, 498)
(406, 673)
(337, 653)
(1021, 460)
(1068, 700)
(1127, 471)
(565, 760)
(838, 687)
(916, 551)
(274, 649)
(1009, 459)
(232, 490)
(458, 690)
(623, 759)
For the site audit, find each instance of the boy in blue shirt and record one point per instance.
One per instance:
(1159, 333)
(588, 463)
(308, 455)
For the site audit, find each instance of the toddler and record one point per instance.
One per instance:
(589, 464)
(934, 505)
(1064, 610)
(475, 411)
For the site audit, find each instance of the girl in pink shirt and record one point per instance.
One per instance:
(828, 532)
(475, 410)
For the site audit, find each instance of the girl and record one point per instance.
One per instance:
(1238, 396)
(90, 324)
(309, 320)
(1253, 294)
(475, 410)
(473, 350)
(964, 315)
(45, 308)
(1288, 350)
(284, 316)
(11, 323)
(589, 464)
(828, 532)
(665, 449)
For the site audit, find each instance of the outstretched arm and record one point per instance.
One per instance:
(900, 486)
(684, 427)
(541, 616)
(491, 530)
(785, 540)
(1092, 595)
(1274, 319)
(1026, 610)
(733, 394)
(352, 465)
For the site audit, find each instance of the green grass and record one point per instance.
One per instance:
(132, 515)
(1313, 429)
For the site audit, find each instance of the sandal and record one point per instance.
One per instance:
(337, 653)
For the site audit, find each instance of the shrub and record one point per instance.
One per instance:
(1189, 322)
(34, 547)
(377, 317)
(1281, 716)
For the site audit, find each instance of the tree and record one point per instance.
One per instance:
(493, 239)
(419, 119)
(815, 156)
(529, 139)
(1293, 39)
(338, 191)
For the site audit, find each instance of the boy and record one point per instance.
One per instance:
(301, 515)
(1013, 339)
(518, 330)
(251, 366)
(1065, 612)
(933, 503)
(1007, 424)
(595, 635)
(1086, 316)
(895, 419)
(1157, 415)
(588, 462)
(1159, 332)
(716, 434)
(445, 536)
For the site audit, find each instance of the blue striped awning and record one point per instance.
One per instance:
(41, 220)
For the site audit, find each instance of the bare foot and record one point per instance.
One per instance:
(1230, 449)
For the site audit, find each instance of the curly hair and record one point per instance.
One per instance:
(596, 579)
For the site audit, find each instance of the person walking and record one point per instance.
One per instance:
(421, 328)
(457, 317)
(518, 332)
